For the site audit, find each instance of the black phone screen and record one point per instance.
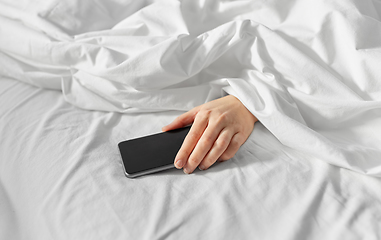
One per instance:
(151, 153)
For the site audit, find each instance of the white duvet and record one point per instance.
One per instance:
(308, 70)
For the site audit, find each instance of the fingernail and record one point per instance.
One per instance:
(186, 171)
(202, 168)
(178, 163)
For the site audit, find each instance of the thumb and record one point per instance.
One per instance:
(182, 120)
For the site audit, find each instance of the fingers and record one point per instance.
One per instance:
(190, 141)
(224, 148)
(233, 147)
(182, 120)
(202, 147)
(219, 128)
(219, 147)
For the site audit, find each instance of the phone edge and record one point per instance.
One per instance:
(154, 170)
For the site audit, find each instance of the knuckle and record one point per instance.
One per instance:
(224, 157)
(207, 140)
(205, 165)
(193, 161)
(221, 143)
(223, 118)
(181, 119)
(208, 160)
(183, 153)
(192, 136)
(235, 143)
(227, 156)
(230, 155)
(205, 112)
(239, 128)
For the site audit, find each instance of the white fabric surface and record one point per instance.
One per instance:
(308, 70)
(61, 178)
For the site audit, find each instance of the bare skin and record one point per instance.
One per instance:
(219, 129)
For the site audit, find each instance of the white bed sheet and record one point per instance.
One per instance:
(61, 178)
(308, 70)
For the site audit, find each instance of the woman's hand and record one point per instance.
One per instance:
(219, 129)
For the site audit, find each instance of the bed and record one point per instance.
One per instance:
(78, 77)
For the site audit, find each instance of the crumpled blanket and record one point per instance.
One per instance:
(310, 71)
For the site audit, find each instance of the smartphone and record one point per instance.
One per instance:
(153, 153)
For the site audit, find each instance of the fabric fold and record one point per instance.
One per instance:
(312, 87)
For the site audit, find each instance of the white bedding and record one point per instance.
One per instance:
(61, 178)
(308, 70)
